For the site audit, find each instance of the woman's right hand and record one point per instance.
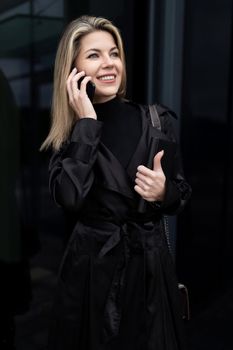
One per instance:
(78, 98)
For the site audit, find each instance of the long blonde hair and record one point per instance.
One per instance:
(63, 117)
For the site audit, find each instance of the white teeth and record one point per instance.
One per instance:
(107, 77)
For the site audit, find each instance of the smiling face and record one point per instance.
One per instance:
(99, 58)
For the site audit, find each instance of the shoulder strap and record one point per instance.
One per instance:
(155, 120)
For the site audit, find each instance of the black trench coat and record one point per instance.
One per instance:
(117, 287)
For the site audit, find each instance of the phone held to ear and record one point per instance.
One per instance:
(90, 88)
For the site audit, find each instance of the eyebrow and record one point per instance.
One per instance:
(97, 50)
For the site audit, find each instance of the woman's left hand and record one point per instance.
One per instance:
(150, 184)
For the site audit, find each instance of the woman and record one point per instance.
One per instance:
(117, 287)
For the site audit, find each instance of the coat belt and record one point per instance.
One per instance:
(113, 306)
(114, 303)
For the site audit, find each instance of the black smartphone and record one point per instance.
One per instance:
(90, 88)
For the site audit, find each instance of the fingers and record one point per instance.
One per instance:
(150, 184)
(156, 166)
(78, 98)
(144, 194)
(157, 161)
(143, 185)
(83, 85)
(68, 84)
(139, 190)
(144, 188)
(71, 84)
(143, 170)
(147, 180)
(74, 82)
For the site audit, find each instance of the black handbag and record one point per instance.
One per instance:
(183, 290)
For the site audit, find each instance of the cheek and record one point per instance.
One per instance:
(120, 69)
(120, 74)
(90, 69)
(78, 64)
(82, 65)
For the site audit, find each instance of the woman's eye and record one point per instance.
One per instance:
(115, 54)
(93, 55)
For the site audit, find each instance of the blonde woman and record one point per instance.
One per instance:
(117, 287)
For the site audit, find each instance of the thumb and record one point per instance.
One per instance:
(157, 161)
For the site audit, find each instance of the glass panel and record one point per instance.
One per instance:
(32, 30)
(30, 247)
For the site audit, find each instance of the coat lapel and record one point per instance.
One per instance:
(112, 173)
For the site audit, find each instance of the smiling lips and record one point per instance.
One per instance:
(107, 78)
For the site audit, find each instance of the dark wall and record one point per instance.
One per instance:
(205, 242)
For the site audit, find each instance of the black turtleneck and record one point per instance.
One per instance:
(121, 127)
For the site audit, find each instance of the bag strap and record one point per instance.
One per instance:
(154, 115)
(155, 120)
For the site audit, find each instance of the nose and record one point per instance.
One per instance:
(107, 61)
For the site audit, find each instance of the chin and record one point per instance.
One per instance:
(106, 94)
(108, 91)
(103, 98)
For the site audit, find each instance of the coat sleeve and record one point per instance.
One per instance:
(71, 168)
(178, 191)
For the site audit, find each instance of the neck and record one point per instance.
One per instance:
(103, 99)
